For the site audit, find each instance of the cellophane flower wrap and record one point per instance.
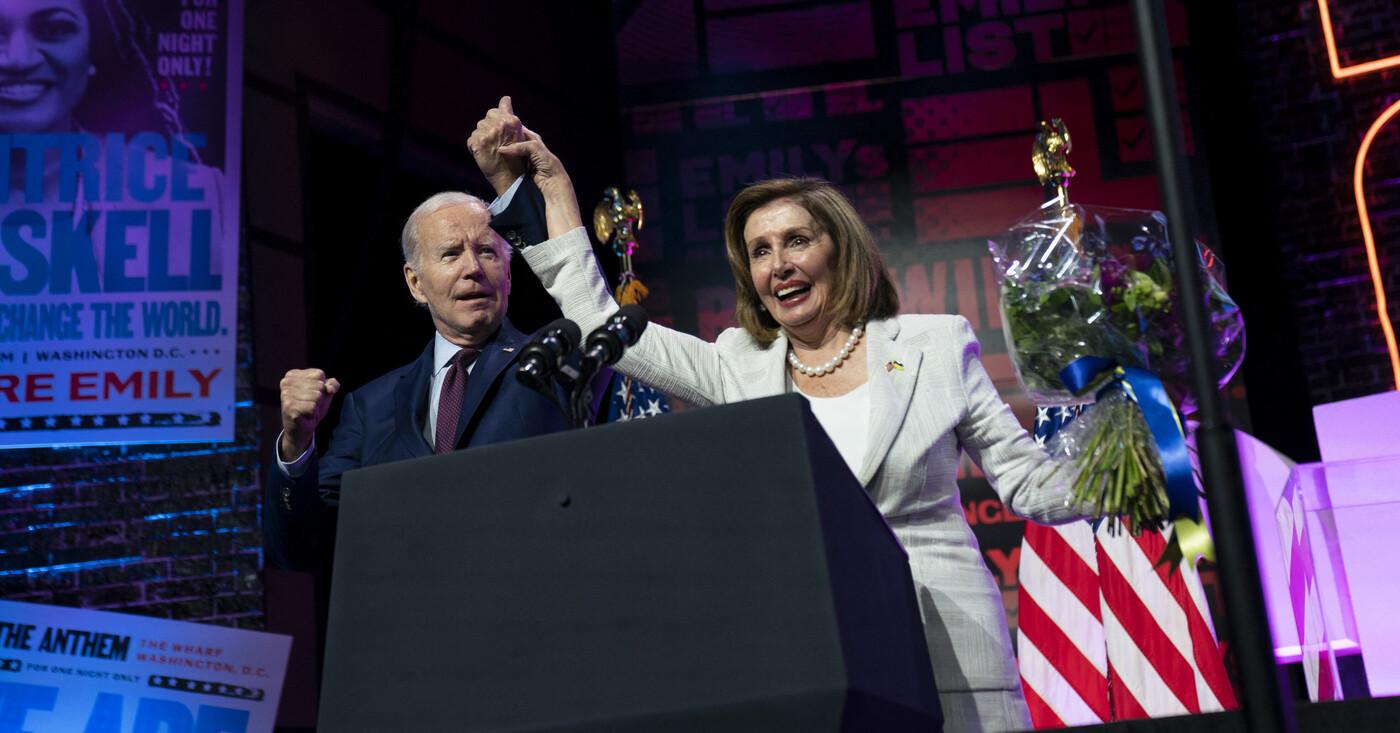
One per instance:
(1079, 281)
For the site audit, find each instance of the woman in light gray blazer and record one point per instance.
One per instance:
(901, 395)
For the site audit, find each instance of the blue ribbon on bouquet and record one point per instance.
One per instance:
(1144, 388)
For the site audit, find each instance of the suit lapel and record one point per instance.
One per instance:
(891, 370)
(411, 405)
(495, 356)
(765, 371)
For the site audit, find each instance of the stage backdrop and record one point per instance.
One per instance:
(166, 530)
(118, 238)
(922, 111)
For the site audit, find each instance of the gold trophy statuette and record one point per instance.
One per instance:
(1050, 158)
(616, 221)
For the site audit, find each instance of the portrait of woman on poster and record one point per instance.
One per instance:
(66, 67)
(85, 67)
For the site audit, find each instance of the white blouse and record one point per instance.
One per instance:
(846, 420)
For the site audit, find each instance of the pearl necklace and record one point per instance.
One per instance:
(833, 362)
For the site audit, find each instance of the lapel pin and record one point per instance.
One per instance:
(893, 365)
(508, 349)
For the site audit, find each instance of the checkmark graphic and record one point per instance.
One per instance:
(1086, 33)
(1093, 29)
(1132, 140)
(1133, 144)
(1127, 88)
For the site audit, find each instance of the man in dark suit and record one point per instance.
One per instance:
(459, 393)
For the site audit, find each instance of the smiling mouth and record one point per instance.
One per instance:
(20, 92)
(791, 291)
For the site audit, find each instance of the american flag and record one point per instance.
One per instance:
(1103, 635)
(629, 399)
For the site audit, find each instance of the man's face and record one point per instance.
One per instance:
(460, 271)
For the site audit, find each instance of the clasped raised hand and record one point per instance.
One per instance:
(499, 127)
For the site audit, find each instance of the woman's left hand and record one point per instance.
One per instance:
(545, 167)
(561, 205)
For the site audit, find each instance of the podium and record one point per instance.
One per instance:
(716, 569)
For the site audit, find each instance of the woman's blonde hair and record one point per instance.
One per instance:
(863, 290)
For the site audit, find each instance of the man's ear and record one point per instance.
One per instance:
(507, 255)
(410, 277)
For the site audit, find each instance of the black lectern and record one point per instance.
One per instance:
(715, 570)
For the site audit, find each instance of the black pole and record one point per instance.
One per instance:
(1260, 699)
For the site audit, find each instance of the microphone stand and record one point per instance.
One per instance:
(582, 398)
(585, 366)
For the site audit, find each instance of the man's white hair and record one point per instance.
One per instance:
(435, 203)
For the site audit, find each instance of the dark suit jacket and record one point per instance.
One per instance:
(382, 422)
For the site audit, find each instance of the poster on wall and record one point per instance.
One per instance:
(119, 162)
(69, 669)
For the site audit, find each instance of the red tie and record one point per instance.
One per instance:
(450, 400)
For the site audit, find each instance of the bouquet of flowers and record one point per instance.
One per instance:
(1099, 282)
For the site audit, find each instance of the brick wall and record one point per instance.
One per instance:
(167, 530)
(1311, 126)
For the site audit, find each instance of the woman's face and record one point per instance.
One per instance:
(791, 261)
(44, 63)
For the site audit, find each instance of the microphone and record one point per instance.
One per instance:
(607, 342)
(545, 355)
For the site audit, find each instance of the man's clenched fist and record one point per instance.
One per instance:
(306, 396)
